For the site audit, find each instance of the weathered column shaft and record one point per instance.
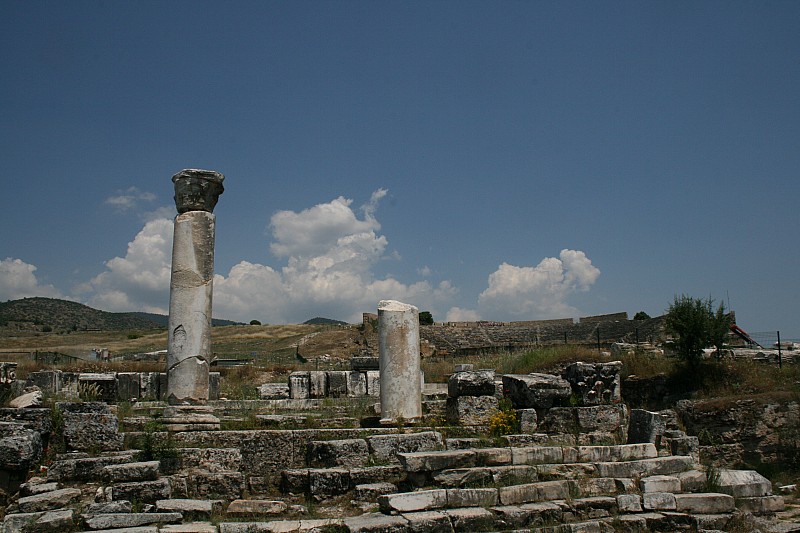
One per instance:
(399, 361)
(191, 288)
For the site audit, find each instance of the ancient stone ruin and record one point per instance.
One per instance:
(373, 449)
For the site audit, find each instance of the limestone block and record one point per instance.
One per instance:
(191, 527)
(528, 420)
(375, 474)
(537, 455)
(470, 519)
(493, 456)
(142, 491)
(337, 383)
(373, 378)
(326, 482)
(120, 506)
(595, 383)
(428, 522)
(373, 522)
(35, 418)
(471, 383)
(128, 386)
(48, 381)
(645, 426)
(211, 459)
(658, 501)
(48, 501)
(102, 387)
(706, 503)
(406, 502)
(629, 503)
(438, 460)
(20, 447)
(213, 385)
(59, 520)
(534, 492)
(300, 385)
(139, 471)
(660, 484)
(386, 447)
(342, 453)
(115, 521)
(471, 497)
(463, 477)
(273, 391)
(608, 420)
(27, 400)
(36, 485)
(744, 483)
(659, 465)
(317, 383)
(90, 426)
(597, 486)
(623, 452)
(256, 507)
(149, 385)
(190, 509)
(685, 446)
(692, 480)
(84, 468)
(295, 481)
(216, 485)
(761, 504)
(356, 384)
(364, 363)
(514, 474)
(369, 492)
(540, 391)
(471, 410)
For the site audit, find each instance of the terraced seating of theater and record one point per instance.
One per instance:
(574, 468)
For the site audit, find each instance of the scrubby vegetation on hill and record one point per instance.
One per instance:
(52, 314)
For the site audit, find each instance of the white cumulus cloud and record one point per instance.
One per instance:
(18, 280)
(540, 292)
(129, 199)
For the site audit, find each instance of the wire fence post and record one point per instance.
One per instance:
(780, 358)
(598, 340)
(565, 337)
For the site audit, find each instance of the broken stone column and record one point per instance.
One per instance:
(189, 342)
(399, 362)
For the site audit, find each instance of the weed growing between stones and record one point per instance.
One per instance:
(157, 445)
(712, 478)
(89, 392)
(504, 422)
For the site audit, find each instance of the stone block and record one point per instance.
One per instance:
(660, 484)
(48, 381)
(595, 383)
(471, 410)
(645, 467)
(84, 468)
(128, 520)
(48, 501)
(474, 497)
(216, 485)
(317, 383)
(375, 523)
(20, 447)
(537, 455)
(538, 391)
(437, 460)
(534, 492)
(629, 503)
(55, 521)
(623, 452)
(142, 491)
(692, 480)
(190, 509)
(90, 426)
(471, 383)
(428, 522)
(349, 453)
(327, 482)
(356, 384)
(470, 519)
(139, 471)
(528, 420)
(761, 504)
(300, 385)
(493, 456)
(211, 459)
(128, 386)
(337, 383)
(364, 363)
(386, 447)
(407, 502)
(273, 391)
(213, 385)
(102, 387)
(658, 501)
(374, 474)
(607, 421)
(463, 477)
(646, 426)
(744, 483)
(27, 400)
(369, 492)
(373, 383)
(705, 503)
(149, 385)
(256, 507)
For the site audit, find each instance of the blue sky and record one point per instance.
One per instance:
(494, 160)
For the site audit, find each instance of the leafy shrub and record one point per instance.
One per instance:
(504, 421)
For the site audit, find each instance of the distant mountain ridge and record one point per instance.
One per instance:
(66, 315)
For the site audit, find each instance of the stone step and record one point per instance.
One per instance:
(281, 526)
(138, 471)
(45, 521)
(743, 483)
(48, 501)
(189, 508)
(123, 520)
(85, 468)
(327, 482)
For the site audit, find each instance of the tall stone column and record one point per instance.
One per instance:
(399, 361)
(191, 285)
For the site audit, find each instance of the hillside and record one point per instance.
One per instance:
(63, 315)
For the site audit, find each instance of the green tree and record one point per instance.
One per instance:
(641, 315)
(255, 322)
(425, 318)
(696, 325)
